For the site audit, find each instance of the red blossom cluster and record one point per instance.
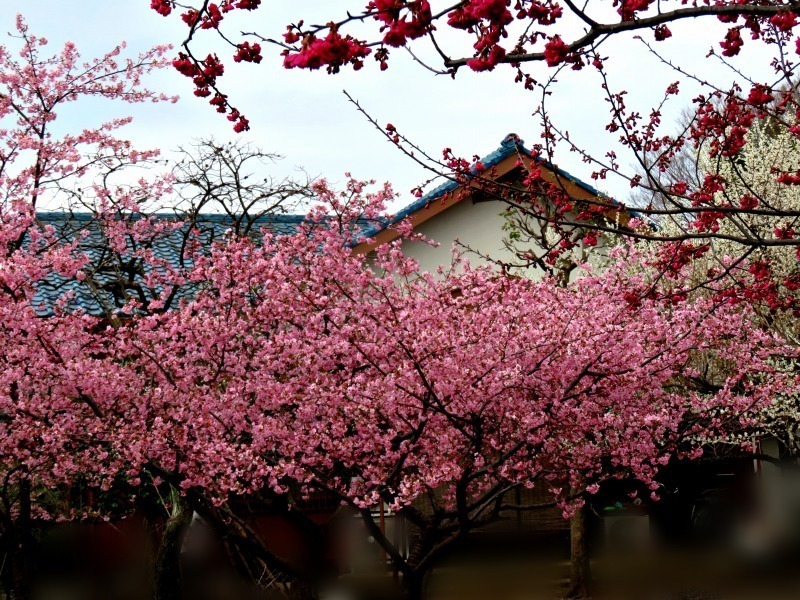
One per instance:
(732, 43)
(724, 122)
(211, 14)
(204, 72)
(661, 33)
(555, 51)
(162, 7)
(473, 12)
(488, 19)
(789, 178)
(760, 95)
(543, 13)
(783, 22)
(402, 21)
(333, 52)
(628, 8)
(248, 53)
(673, 258)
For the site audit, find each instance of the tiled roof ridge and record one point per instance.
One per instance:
(59, 215)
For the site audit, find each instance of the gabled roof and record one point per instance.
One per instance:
(496, 164)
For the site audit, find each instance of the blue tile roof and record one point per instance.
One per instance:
(114, 277)
(509, 146)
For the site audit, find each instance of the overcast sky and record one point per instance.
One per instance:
(305, 116)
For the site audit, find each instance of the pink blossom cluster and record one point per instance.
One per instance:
(300, 362)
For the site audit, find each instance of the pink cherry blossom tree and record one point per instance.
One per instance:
(53, 419)
(46, 162)
(539, 43)
(301, 363)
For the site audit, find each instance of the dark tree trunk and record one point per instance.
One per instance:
(167, 579)
(304, 590)
(580, 568)
(418, 564)
(20, 569)
(21, 545)
(414, 585)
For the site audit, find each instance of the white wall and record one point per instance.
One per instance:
(479, 226)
